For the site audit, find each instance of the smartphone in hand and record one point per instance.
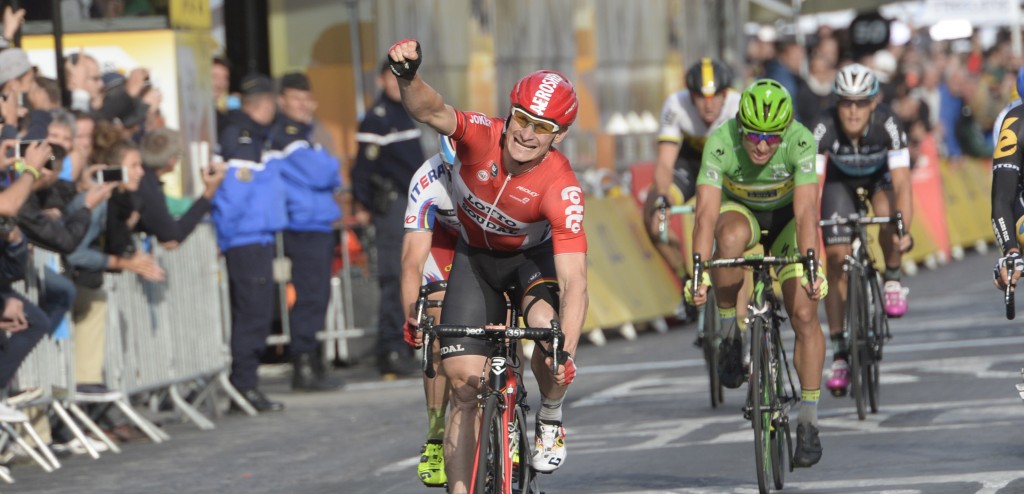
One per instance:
(113, 174)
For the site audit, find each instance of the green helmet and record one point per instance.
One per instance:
(765, 107)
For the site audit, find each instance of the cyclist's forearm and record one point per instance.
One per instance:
(709, 202)
(572, 312)
(902, 189)
(426, 105)
(410, 289)
(667, 152)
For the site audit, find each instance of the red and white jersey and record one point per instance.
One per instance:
(504, 212)
(430, 210)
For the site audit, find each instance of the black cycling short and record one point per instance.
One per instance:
(839, 199)
(477, 285)
(684, 175)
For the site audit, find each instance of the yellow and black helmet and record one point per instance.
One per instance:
(708, 77)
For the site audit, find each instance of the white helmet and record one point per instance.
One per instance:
(856, 81)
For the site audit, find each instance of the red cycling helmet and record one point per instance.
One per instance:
(546, 94)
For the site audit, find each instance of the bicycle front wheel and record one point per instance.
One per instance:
(711, 326)
(487, 471)
(855, 329)
(761, 391)
(876, 339)
(519, 445)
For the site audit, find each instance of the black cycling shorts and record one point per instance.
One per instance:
(477, 286)
(839, 199)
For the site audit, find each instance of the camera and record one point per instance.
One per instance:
(57, 153)
(112, 174)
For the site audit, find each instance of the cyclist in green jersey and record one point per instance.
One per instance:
(763, 163)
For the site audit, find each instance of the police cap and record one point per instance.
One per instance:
(295, 80)
(254, 84)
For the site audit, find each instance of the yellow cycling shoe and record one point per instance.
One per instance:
(431, 468)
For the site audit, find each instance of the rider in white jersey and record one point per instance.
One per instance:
(428, 248)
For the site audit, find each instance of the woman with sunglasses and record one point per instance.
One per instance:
(763, 163)
(861, 144)
(521, 211)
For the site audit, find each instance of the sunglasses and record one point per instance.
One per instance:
(755, 138)
(859, 103)
(540, 125)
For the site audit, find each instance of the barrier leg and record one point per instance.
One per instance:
(596, 336)
(5, 475)
(43, 448)
(204, 399)
(186, 408)
(147, 427)
(235, 396)
(77, 431)
(628, 331)
(93, 428)
(660, 325)
(32, 453)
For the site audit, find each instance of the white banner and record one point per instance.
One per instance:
(978, 12)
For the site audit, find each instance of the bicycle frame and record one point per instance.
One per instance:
(501, 384)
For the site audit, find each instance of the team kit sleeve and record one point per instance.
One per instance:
(474, 133)
(822, 142)
(898, 154)
(563, 207)
(1006, 163)
(802, 156)
(714, 162)
(421, 207)
(670, 122)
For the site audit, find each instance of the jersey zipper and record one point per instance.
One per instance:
(491, 207)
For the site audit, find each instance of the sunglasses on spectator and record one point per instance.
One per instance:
(859, 103)
(540, 125)
(755, 138)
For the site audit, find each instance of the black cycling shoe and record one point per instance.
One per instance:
(730, 363)
(808, 446)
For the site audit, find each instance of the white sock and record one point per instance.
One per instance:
(550, 410)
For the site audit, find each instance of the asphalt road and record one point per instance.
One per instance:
(638, 421)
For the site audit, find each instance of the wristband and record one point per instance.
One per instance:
(407, 69)
(32, 171)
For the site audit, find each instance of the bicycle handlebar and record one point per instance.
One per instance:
(810, 262)
(663, 213)
(1008, 299)
(868, 220)
(491, 332)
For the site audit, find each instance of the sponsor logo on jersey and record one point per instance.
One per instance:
(524, 190)
(494, 169)
(487, 216)
(574, 211)
(425, 180)
(410, 219)
(819, 132)
(479, 120)
(894, 132)
(482, 175)
(542, 96)
(1007, 144)
(712, 175)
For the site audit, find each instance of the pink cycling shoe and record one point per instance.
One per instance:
(895, 296)
(838, 380)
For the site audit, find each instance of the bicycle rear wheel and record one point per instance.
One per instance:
(519, 445)
(487, 478)
(761, 391)
(711, 327)
(855, 321)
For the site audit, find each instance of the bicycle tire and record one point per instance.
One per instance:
(760, 403)
(781, 441)
(879, 328)
(522, 474)
(710, 345)
(855, 339)
(488, 467)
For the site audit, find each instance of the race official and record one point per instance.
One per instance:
(389, 154)
(247, 211)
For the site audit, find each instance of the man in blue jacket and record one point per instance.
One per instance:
(248, 209)
(311, 178)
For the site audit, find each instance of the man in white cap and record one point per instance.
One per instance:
(16, 75)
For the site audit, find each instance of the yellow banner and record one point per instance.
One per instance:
(627, 281)
(190, 14)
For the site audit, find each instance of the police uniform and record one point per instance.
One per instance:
(389, 154)
(311, 177)
(248, 209)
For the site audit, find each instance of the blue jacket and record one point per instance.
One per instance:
(310, 176)
(250, 205)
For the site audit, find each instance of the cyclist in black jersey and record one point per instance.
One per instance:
(1008, 192)
(861, 144)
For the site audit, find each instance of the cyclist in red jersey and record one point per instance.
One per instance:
(521, 210)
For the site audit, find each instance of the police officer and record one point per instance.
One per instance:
(311, 178)
(389, 154)
(247, 210)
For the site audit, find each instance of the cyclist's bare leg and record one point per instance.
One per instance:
(732, 234)
(835, 301)
(809, 354)
(436, 390)
(881, 204)
(463, 419)
(539, 316)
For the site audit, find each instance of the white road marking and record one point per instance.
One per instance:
(986, 483)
